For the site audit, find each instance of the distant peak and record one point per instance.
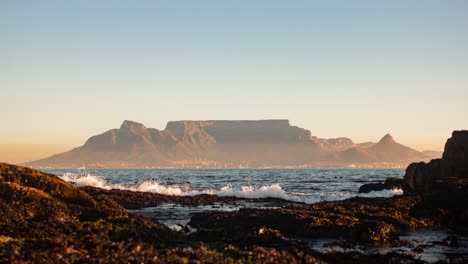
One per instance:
(128, 124)
(387, 139)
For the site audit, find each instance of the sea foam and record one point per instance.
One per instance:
(247, 191)
(85, 180)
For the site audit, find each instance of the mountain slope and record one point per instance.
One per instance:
(386, 150)
(218, 143)
(433, 154)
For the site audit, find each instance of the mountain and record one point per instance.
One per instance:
(386, 150)
(433, 154)
(334, 144)
(193, 143)
(365, 144)
(220, 143)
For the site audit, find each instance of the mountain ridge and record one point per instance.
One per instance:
(225, 143)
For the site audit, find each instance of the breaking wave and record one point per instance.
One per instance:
(249, 192)
(85, 180)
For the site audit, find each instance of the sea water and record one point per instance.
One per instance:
(297, 185)
(286, 185)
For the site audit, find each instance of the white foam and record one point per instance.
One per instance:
(248, 191)
(85, 180)
(251, 192)
(383, 193)
(155, 187)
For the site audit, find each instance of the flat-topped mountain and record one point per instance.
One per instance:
(220, 143)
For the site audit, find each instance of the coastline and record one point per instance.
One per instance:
(48, 220)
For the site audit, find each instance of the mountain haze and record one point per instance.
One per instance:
(386, 150)
(219, 143)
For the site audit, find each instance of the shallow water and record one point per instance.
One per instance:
(422, 244)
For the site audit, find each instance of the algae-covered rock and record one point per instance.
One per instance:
(47, 183)
(46, 220)
(376, 232)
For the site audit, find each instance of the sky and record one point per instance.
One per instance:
(360, 69)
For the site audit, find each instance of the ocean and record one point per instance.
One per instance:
(296, 185)
(286, 185)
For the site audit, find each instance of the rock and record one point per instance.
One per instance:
(270, 235)
(137, 200)
(359, 219)
(450, 241)
(376, 232)
(424, 177)
(46, 220)
(47, 183)
(420, 177)
(455, 157)
(389, 184)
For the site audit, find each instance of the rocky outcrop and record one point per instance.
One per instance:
(424, 177)
(45, 220)
(455, 157)
(138, 200)
(359, 219)
(48, 184)
(388, 184)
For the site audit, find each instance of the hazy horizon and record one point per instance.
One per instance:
(70, 70)
(21, 153)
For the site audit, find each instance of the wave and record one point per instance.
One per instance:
(249, 192)
(85, 180)
(383, 193)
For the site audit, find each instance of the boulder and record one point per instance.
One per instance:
(455, 157)
(422, 177)
(389, 184)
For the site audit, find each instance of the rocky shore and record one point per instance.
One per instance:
(46, 220)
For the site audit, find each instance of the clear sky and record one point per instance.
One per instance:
(360, 69)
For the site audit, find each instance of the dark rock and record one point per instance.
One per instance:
(376, 232)
(343, 243)
(450, 241)
(137, 200)
(389, 184)
(359, 219)
(419, 249)
(44, 182)
(424, 178)
(46, 220)
(420, 177)
(455, 157)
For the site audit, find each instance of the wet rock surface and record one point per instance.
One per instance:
(360, 219)
(388, 184)
(138, 200)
